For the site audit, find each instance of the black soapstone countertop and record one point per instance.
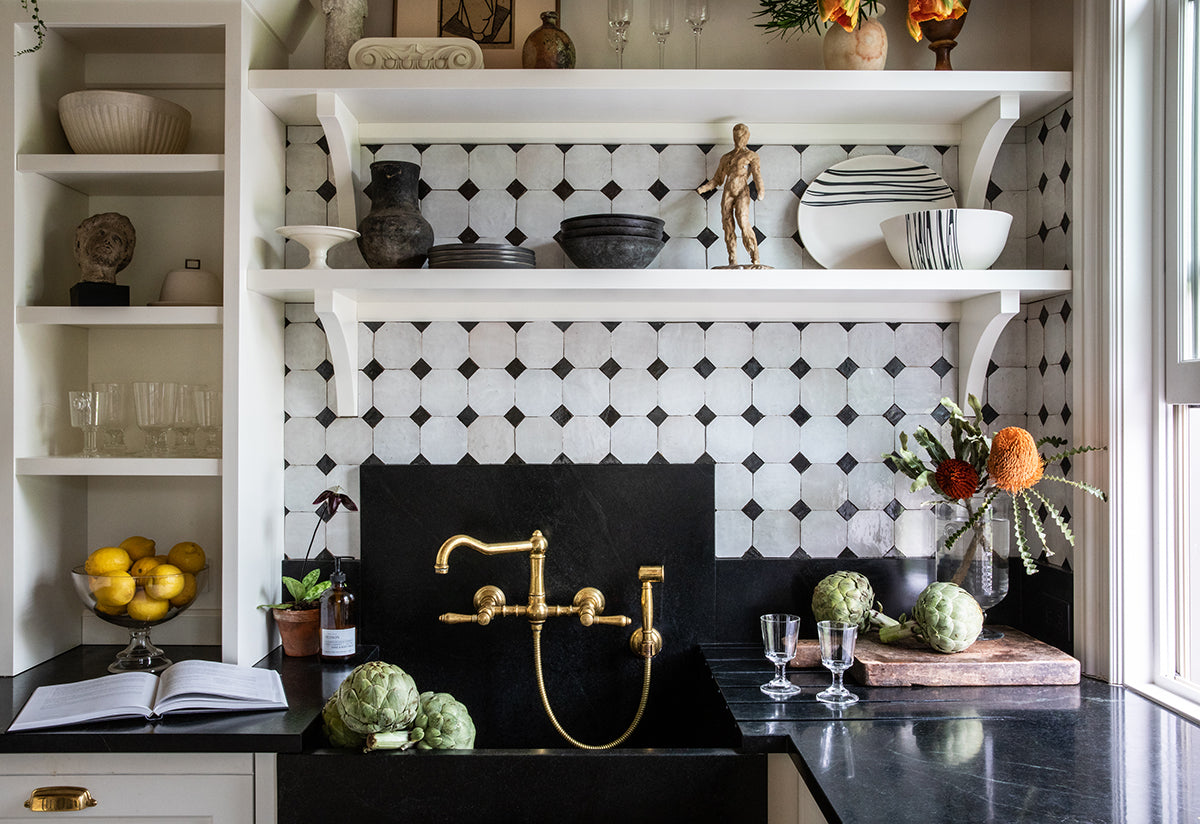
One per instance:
(1090, 753)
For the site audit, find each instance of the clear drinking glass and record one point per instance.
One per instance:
(113, 399)
(660, 26)
(695, 14)
(619, 14)
(837, 654)
(184, 423)
(85, 415)
(780, 632)
(154, 407)
(208, 420)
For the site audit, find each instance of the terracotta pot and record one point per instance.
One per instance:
(865, 48)
(300, 631)
(941, 35)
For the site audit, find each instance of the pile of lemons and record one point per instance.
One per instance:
(129, 579)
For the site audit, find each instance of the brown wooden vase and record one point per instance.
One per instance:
(942, 36)
(300, 631)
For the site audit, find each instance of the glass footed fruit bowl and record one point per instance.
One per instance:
(138, 604)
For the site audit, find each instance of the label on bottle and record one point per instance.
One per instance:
(338, 643)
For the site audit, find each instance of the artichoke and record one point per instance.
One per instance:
(946, 617)
(335, 728)
(445, 723)
(847, 597)
(377, 697)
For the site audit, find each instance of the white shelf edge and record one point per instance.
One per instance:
(129, 467)
(981, 301)
(122, 316)
(138, 174)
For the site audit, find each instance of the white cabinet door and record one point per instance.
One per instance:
(789, 801)
(170, 788)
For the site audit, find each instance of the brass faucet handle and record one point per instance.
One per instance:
(654, 574)
(589, 604)
(458, 618)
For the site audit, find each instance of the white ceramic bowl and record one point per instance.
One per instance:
(99, 121)
(947, 238)
(190, 287)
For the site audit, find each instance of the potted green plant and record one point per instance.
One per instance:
(857, 41)
(39, 25)
(299, 620)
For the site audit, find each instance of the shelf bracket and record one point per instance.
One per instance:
(982, 133)
(983, 319)
(341, 135)
(338, 313)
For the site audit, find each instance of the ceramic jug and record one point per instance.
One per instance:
(394, 235)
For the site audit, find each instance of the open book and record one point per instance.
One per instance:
(189, 686)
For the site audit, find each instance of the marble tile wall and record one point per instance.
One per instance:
(795, 416)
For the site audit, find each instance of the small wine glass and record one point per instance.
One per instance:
(154, 407)
(619, 14)
(660, 27)
(837, 654)
(113, 401)
(695, 14)
(208, 420)
(780, 632)
(184, 423)
(85, 415)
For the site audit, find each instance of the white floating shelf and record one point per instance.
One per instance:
(140, 174)
(982, 301)
(150, 467)
(125, 316)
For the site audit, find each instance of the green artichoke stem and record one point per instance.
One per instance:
(392, 740)
(878, 619)
(897, 631)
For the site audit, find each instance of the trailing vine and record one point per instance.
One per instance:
(39, 26)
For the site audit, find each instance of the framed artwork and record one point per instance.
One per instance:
(498, 26)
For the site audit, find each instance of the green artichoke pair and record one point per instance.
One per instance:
(848, 597)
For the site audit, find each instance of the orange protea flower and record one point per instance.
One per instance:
(1014, 462)
(920, 11)
(957, 479)
(842, 12)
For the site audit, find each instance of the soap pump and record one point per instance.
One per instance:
(339, 636)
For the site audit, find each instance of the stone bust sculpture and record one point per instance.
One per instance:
(104, 246)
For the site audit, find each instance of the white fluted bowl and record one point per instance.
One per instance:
(101, 121)
(947, 238)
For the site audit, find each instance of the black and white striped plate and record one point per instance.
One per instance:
(842, 208)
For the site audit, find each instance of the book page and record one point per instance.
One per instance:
(210, 685)
(124, 695)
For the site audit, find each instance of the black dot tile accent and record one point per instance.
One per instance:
(847, 510)
(657, 458)
(1041, 512)
(1065, 362)
(516, 325)
(752, 368)
(610, 416)
(373, 369)
(846, 463)
(562, 459)
(752, 415)
(752, 554)
(467, 416)
(705, 459)
(423, 189)
(610, 458)
(1065, 223)
(940, 414)
(657, 369)
(704, 367)
(326, 191)
(514, 416)
(420, 416)
(421, 368)
(894, 367)
(468, 368)
(1066, 120)
(991, 368)
(468, 235)
(800, 368)
(751, 510)
(894, 509)
(799, 188)
(325, 369)
(800, 415)
(847, 368)
(564, 190)
(610, 368)
(846, 554)
(800, 510)
(611, 190)
(707, 237)
(468, 190)
(323, 144)
(799, 555)
(800, 463)
(1066, 413)
(1064, 172)
(373, 325)
(1043, 232)
(1066, 311)
(420, 325)
(941, 367)
(420, 460)
(993, 191)
(659, 190)
(989, 414)
(1043, 365)
(515, 368)
(325, 417)
(561, 416)
(610, 325)
(894, 415)
(326, 464)
(514, 460)
(562, 368)
(705, 416)
(657, 415)
(1043, 132)
(1043, 315)
(847, 415)
(1043, 414)
(1066, 466)
(373, 460)
(467, 460)
(516, 237)
(759, 234)
(516, 189)
(753, 462)
(372, 417)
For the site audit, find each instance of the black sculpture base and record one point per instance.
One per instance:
(91, 293)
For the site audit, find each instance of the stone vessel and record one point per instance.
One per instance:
(548, 47)
(394, 235)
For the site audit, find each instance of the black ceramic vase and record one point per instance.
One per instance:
(394, 235)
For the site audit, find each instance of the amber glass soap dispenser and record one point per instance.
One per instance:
(339, 637)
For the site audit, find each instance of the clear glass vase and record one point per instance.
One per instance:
(978, 558)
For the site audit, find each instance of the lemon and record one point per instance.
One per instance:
(164, 582)
(107, 610)
(187, 556)
(114, 589)
(145, 608)
(142, 566)
(188, 593)
(162, 559)
(137, 546)
(107, 559)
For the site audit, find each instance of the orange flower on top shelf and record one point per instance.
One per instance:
(920, 11)
(1014, 462)
(842, 12)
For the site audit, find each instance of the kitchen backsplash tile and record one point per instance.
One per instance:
(796, 416)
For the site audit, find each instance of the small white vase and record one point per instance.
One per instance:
(865, 48)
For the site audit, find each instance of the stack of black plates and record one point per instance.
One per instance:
(480, 256)
(611, 241)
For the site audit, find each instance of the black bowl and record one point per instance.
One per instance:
(611, 251)
(615, 231)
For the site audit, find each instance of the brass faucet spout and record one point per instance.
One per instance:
(536, 546)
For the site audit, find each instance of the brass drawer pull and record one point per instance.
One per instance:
(59, 799)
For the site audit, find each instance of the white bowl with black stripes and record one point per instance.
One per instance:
(947, 238)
